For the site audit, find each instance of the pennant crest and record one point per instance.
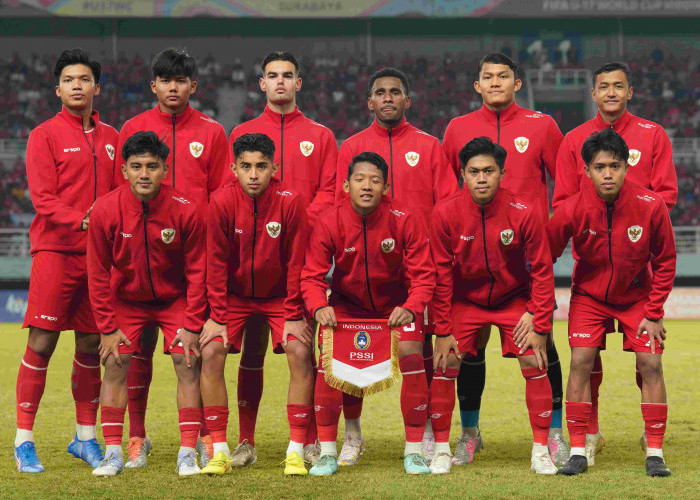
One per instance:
(306, 147)
(412, 158)
(634, 233)
(196, 149)
(521, 144)
(167, 235)
(507, 236)
(388, 245)
(273, 229)
(634, 157)
(110, 151)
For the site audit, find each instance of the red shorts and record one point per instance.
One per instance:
(133, 317)
(58, 293)
(469, 318)
(429, 319)
(589, 320)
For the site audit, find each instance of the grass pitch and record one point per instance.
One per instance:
(501, 470)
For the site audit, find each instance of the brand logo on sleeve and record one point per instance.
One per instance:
(507, 236)
(634, 233)
(71, 150)
(273, 229)
(412, 158)
(521, 144)
(388, 245)
(196, 149)
(634, 157)
(306, 148)
(167, 235)
(465, 238)
(110, 151)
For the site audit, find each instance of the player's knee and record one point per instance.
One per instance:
(88, 343)
(582, 361)
(453, 362)
(298, 354)
(41, 341)
(406, 348)
(650, 366)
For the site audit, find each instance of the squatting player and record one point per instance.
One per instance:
(256, 233)
(531, 140)
(651, 166)
(622, 235)
(147, 267)
(306, 153)
(482, 239)
(382, 270)
(419, 176)
(69, 164)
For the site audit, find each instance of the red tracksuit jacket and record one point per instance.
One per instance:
(256, 247)
(530, 138)
(306, 152)
(199, 159)
(419, 172)
(650, 162)
(146, 252)
(480, 254)
(382, 260)
(615, 244)
(66, 173)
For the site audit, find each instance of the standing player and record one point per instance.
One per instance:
(257, 233)
(419, 176)
(531, 140)
(306, 153)
(198, 166)
(624, 241)
(69, 164)
(482, 239)
(651, 166)
(382, 270)
(147, 266)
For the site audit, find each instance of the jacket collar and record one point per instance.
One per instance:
(476, 210)
(491, 116)
(592, 199)
(264, 200)
(384, 132)
(350, 213)
(77, 121)
(167, 118)
(618, 125)
(276, 117)
(140, 206)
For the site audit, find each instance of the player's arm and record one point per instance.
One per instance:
(550, 150)
(219, 171)
(217, 257)
(319, 258)
(567, 176)
(295, 238)
(419, 266)
(444, 181)
(664, 181)
(663, 264)
(450, 145)
(117, 175)
(559, 230)
(345, 156)
(325, 194)
(231, 139)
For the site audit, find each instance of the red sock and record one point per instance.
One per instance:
(203, 427)
(538, 396)
(577, 415)
(311, 431)
(352, 406)
(189, 419)
(299, 417)
(138, 381)
(596, 380)
(217, 418)
(112, 424)
(414, 397)
(638, 376)
(428, 358)
(442, 403)
(328, 404)
(655, 416)
(31, 381)
(86, 383)
(250, 387)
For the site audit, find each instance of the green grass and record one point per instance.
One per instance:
(501, 470)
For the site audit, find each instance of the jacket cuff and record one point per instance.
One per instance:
(110, 333)
(218, 322)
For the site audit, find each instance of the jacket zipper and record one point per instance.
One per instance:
(145, 238)
(173, 150)
(252, 259)
(391, 163)
(282, 148)
(364, 234)
(486, 255)
(94, 156)
(610, 209)
(498, 126)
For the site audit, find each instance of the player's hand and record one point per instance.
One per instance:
(399, 317)
(297, 329)
(212, 330)
(326, 317)
(443, 346)
(85, 223)
(190, 342)
(656, 332)
(539, 346)
(109, 344)
(523, 329)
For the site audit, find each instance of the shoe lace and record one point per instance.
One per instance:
(188, 460)
(27, 451)
(351, 448)
(94, 448)
(416, 459)
(324, 460)
(133, 449)
(295, 460)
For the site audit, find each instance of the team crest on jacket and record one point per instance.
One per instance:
(634, 157)
(110, 151)
(196, 149)
(388, 245)
(306, 147)
(273, 229)
(362, 340)
(412, 158)
(167, 235)
(521, 144)
(507, 236)
(634, 232)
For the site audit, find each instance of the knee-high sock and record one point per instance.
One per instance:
(112, 424)
(577, 416)
(554, 376)
(203, 427)
(596, 380)
(250, 387)
(31, 381)
(328, 404)
(414, 397)
(428, 357)
(299, 417)
(352, 406)
(442, 403)
(312, 432)
(190, 420)
(85, 384)
(538, 396)
(138, 382)
(655, 416)
(470, 387)
(217, 418)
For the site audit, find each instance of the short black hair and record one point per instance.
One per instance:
(612, 66)
(374, 159)
(391, 73)
(483, 146)
(279, 56)
(76, 56)
(145, 142)
(173, 62)
(254, 143)
(497, 58)
(605, 140)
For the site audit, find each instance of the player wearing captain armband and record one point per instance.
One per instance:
(383, 270)
(482, 239)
